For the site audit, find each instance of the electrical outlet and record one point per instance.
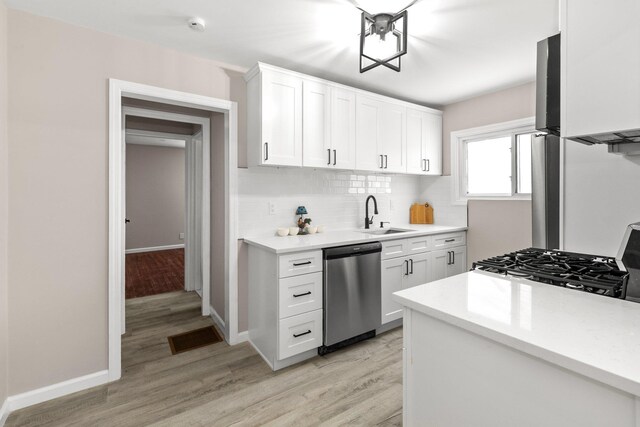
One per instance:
(272, 208)
(181, 236)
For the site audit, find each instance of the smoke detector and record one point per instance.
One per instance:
(197, 24)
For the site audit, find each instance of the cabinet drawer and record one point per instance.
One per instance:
(416, 245)
(394, 248)
(300, 294)
(300, 333)
(448, 240)
(300, 263)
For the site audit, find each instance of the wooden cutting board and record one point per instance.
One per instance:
(421, 213)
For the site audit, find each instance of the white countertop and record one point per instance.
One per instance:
(593, 335)
(331, 238)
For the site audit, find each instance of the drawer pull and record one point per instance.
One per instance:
(301, 295)
(450, 240)
(304, 333)
(298, 264)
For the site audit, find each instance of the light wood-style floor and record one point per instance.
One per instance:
(221, 385)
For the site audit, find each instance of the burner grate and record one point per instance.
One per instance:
(589, 273)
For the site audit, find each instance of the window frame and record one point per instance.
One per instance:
(459, 140)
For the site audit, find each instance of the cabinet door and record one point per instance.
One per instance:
(281, 119)
(415, 145)
(600, 63)
(439, 264)
(458, 261)
(368, 114)
(343, 128)
(393, 137)
(393, 276)
(316, 131)
(432, 144)
(419, 270)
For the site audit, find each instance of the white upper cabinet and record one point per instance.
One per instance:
(424, 142)
(298, 120)
(368, 137)
(274, 115)
(329, 126)
(343, 128)
(601, 59)
(393, 142)
(316, 133)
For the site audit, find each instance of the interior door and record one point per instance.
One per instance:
(316, 131)
(281, 119)
(368, 116)
(343, 128)
(393, 137)
(393, 276)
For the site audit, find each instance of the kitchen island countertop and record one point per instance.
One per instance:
(331, 238)
(592, 335)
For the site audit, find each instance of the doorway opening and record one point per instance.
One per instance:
(210, 234)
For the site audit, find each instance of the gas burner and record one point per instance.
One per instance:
(589, 273)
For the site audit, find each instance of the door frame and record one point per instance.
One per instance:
(117, 90)
(193, 216)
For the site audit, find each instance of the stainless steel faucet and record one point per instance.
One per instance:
(368, 221)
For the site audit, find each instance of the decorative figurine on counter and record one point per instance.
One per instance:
(302, 222)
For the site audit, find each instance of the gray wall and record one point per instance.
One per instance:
(506, 105)
(510, 104)
(58, 185)
(155, 181)
(601, 198)
(496, 227)
(4, 202)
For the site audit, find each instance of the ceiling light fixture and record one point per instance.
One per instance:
(383, 39)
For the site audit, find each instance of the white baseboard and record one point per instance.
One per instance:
(53, 391)
(153, 249)
(4, 412)
(219, 322)
(243, 337)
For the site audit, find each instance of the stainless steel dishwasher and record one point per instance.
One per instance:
(352, 294)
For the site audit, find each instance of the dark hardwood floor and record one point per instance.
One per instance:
(219, 385)
(151, 273)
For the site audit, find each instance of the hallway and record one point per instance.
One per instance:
(151, 273)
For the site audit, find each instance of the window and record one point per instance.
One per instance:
(493, 162)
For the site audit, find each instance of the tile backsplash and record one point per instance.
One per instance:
(268, 198)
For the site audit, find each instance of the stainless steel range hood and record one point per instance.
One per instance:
(624, 142)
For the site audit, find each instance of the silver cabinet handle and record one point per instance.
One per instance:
(335, 156)
(266, 151)
(329, 153)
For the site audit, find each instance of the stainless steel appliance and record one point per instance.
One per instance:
(545, 148)
(352, 295)
(628, 259)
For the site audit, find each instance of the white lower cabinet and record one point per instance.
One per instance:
(416, 261)
(398, 274)
(448, 262)
(300, 333)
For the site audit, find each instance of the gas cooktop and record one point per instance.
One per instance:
(588, 273)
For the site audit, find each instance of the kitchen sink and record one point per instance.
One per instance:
(384, 231)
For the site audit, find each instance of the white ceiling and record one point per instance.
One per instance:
(457, 48)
